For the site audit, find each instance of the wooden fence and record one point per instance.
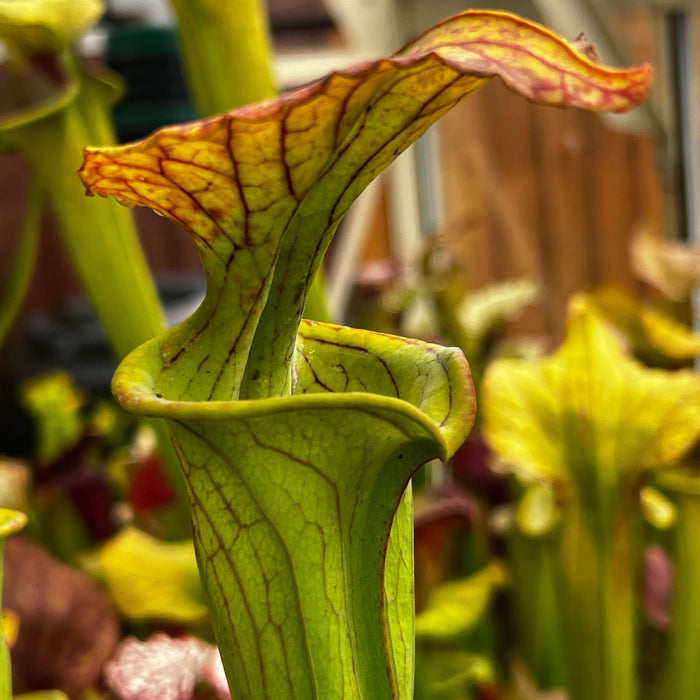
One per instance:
(549, 193)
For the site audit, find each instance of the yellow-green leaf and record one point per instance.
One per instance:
(152, 580)
(11, 521)
(455, 607)
(589, 409)
(21, 271)
(293, 499)
(55, 403)
(654, 337)
(30, 27)
(537, 513)
(484, 310)
(658, 510)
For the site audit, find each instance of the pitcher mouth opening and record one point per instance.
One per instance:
(135, 389)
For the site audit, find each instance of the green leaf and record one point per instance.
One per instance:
(50, 107)
(226, 51)
(124, 296)
(55, 404)
(451, 674)
(298, 442)
(41, 78)
(148, 579)
(683, 486)
(456, 607)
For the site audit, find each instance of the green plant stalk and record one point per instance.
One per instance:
(684, 654)
(226, 51)
(11, 521)
(600, 557)
(100, 238)
(25, 258)
(536, 607)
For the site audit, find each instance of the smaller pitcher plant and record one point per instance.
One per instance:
(298, 440)
(593, 423)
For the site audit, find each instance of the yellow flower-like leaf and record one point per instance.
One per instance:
(9, 626)
(589, 409)
(592, 420)
(654, 337)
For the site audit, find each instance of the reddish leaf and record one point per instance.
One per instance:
(67, 628)
(149, 488)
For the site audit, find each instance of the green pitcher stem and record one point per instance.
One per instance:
(226, 50)
(100, 237)
(316, 308)
(536, 607)
(21, 272)
(684, 676)
(600, 556)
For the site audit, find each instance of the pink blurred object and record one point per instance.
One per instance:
(658, 586)
(165, 668)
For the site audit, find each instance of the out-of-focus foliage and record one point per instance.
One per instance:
(671, 267)
(151, 580)
(654, 337)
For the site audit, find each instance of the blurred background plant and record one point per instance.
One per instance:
(556, 554)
